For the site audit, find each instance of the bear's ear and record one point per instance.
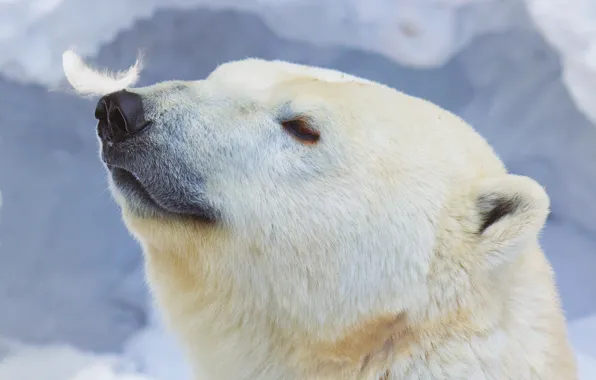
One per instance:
(511, 211)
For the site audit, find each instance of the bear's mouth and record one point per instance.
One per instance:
(144, 203)
(130, 186)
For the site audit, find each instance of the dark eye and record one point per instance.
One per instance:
(300, 129)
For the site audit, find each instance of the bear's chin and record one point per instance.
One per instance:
(142, 204)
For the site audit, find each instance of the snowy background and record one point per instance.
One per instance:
(73, 305)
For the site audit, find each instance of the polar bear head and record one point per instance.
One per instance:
(334, 207)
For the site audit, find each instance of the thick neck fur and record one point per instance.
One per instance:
(232, 333)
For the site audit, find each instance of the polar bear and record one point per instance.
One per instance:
(302, 223)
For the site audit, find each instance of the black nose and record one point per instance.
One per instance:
(120, 116)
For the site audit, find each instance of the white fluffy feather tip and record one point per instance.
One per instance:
(88, 81)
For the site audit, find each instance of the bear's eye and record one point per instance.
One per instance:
(300, 129)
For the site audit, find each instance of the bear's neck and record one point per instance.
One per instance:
(228, 332)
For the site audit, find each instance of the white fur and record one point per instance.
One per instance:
(88, 81)
(360, 257)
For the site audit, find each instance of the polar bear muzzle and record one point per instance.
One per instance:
(137, 157)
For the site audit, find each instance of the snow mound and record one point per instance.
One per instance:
(420, 33)
(582, 333)
(424, 33)
(570, 28)
(586, 367)
(62, 362)
(157, 352)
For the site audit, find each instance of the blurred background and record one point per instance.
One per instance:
(73, 303)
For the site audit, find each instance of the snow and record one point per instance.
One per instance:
(63, 362)
(586, 367)
(583, 337)
(393, 28)
(396, 29)
(571, 29)
(156, 352)
(74, 291)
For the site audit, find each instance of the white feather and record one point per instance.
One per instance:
(88, 81)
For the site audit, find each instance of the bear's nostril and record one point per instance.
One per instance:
(101, 110)
(120, 115)
(117, 120)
